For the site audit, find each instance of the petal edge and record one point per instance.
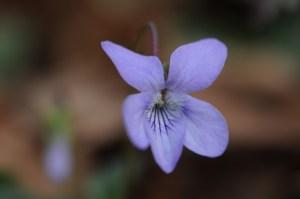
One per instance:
(206, 128)
(196, 65)
(145, 73)
(133, 117)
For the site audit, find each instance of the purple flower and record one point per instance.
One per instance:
(58, 159)
(163, 116)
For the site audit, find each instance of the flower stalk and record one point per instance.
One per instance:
(151, 27)
(58, 154)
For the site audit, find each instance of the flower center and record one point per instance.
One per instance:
(163, 112)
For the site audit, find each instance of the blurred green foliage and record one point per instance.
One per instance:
(238, 23)
(18, 41)
(115, 179)
(58, 120)
(9, 188)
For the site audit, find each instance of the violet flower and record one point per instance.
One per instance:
(58, 159)
(163, 115)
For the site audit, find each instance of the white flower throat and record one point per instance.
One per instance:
(163, 112)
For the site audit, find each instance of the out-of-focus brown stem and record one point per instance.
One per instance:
(154, 37)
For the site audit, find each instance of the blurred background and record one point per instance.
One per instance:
(61, 132)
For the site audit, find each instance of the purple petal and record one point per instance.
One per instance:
(195, 66)
(166, 145)
(58, 159)
(145, 73)
(206, 128)
(134, 108)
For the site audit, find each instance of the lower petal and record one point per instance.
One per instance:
(166, 144)
(206, 128)
(133, 114)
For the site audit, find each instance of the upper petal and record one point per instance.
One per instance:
(166, 140)
(145, 73)
(196, 65)
(206, 128)
(134, 107)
